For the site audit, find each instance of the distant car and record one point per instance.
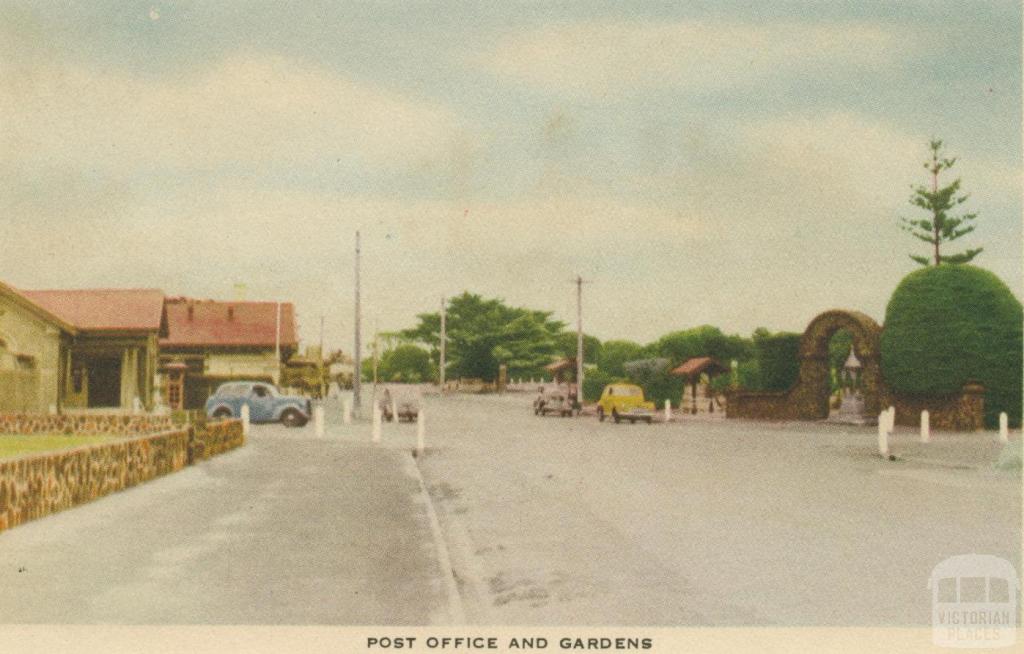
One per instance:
(624, 402)
(555, 401)
(265, 401)
(404, 402)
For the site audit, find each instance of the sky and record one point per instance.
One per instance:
(696, 162)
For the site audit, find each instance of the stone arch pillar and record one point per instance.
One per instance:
(811, 392)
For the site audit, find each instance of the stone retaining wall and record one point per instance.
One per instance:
(33, 486)
(36, 485)
(958, 412)
(83, 423)
(213, 438)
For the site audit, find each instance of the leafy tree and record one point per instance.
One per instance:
(566, 345)
(705, 340)
(943, 226)
(406, 363)
(615, 353)
(485, 333)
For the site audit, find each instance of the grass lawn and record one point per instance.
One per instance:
(18, 444)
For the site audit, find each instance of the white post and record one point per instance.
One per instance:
(346, 412)
(245, 420)
(376, 423)
(394, 409)
(925, 427)
(136, 405)
(318, 420)
(1004, 428)
(668, 411)
(421, 430)
(883, 434)
(892, 419)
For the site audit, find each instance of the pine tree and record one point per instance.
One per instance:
(943, 226)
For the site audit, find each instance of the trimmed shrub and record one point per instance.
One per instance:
(950, 324)
(778, 360)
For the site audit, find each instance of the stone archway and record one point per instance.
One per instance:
(808, 398)
(810, 394)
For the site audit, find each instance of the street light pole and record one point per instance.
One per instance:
(444, 342)
(357, 350)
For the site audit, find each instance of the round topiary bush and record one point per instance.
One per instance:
(950, 324)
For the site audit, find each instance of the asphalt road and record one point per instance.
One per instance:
(286, 530)
(567, 521)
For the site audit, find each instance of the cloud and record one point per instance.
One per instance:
(606, 57)
(243, 111)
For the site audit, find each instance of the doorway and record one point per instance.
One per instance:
(104, 382)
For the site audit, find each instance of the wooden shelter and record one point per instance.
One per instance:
(698, 373)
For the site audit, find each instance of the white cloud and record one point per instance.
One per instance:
(607, 57)
(244, 110)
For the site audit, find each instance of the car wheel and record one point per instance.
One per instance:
(615, 416)
(222, 413)
(649, 421)
(292, 418)
(600, 414)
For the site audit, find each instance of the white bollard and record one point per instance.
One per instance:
(376, 423)
(245, 420)
(346, 412)
(421, 430)
(668, 411)
(394, 411)
(136, 405)
(892, 419)
(1004, 428)
(925, 427)
(318, 420)
(883, 434)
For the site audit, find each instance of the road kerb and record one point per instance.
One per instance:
(456, 611)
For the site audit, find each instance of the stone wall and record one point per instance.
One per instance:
(963, 411)
(36, 485)
(213, 438)
(83, 423)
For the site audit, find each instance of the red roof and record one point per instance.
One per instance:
(199, 323)
(104, 309)
(699, 365)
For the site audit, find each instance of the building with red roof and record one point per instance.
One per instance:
(79, 349)
(220, 341)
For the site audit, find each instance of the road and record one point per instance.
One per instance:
(543, 521)
(286, 530)
(567, 521)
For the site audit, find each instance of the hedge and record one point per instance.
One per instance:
(778, 360)
(950, 324)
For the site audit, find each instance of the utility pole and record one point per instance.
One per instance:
(323, 387)
(579, 338)
(357, 350)
(277, 345)
(444, 342)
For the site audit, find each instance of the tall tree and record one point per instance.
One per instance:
(485, 333)
(939, 202)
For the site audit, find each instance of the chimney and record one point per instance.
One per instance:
(191, 312)
(231, 312)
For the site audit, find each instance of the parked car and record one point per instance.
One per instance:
(555, 401)
(405, 402)
(265, 402)
(624, 402)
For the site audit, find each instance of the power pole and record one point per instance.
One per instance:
(579, 338)
(444, 342)
(277, 345)
(323, 387)
(357, 350)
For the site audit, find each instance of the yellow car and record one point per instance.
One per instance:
(624, 402)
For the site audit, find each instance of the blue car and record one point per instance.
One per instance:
(266, 404)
